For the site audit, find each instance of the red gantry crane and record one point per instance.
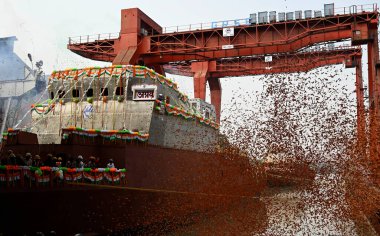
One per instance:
(208, 47)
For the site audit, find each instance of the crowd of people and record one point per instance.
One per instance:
(53, 161)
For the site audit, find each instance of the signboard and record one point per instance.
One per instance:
(144, 95)
(268, 59)
(228, 23)
(228, 32)
(227, 46)
(144, 92)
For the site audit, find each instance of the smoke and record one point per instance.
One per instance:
(11, 66)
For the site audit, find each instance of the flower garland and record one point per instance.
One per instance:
(106, 134)
(5, 137)
(64, 169)
(11, 132)
(40, 108)
(177, 111)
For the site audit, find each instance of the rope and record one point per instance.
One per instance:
(117, 85)
(81, 111)
(29, 111)
(100, 96)
(127, 76)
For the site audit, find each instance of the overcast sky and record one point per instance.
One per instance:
(43, 26)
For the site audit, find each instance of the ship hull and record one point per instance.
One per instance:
(105, 210)
(163, 185)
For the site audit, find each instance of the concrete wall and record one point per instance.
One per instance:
(111, 115)
(176, 132)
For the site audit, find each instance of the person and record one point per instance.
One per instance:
(80, 163)
(10, 152)
(5, 160)
(49, 161)
(58, 163)
(37, 161)
(110, 164)
(20, 161)
(12, 159)
(97, 162)
(28, 159)
(70, 163)
(53, 162)
(91, 162)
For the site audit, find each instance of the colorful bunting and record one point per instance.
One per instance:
(177, 111)
(44, 174)
(106, 134)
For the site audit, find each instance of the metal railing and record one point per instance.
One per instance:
(92, 38)
(355, 9)
(203, 26)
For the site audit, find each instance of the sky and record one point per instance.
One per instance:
(43, 26)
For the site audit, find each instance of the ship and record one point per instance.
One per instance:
(170, 168)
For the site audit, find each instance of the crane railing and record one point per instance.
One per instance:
(92, 38)
(354, 9)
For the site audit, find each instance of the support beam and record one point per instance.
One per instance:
(286, 63)
(216, 96)
(200, 70)
(360, 104)
(374, 92)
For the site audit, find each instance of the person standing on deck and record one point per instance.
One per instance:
(80, 163)
(12, 159)
(58, 163)
(37, 161)
(28, 159)
(110, 164)
(91, 163)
